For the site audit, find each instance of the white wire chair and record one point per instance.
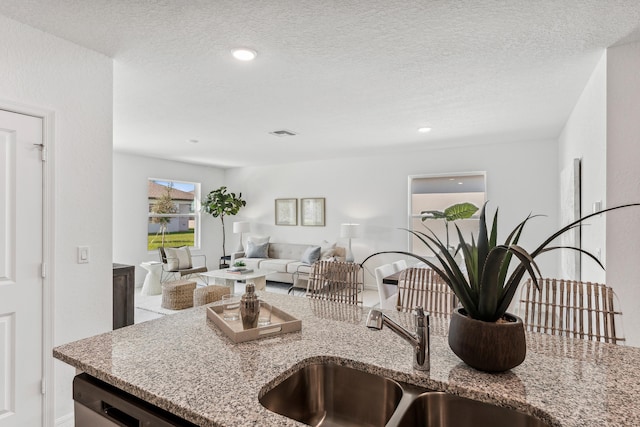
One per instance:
(385, 292)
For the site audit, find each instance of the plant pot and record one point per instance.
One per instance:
(487, 346)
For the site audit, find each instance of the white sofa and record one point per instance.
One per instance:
(284, 259)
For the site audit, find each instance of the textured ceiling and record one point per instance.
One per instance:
(350, 77)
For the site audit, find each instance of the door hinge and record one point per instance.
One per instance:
(43, 388)
(43, 270)
(43, 152)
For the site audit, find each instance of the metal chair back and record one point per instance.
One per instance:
(424, 287)
(336, 281)
(570, 308)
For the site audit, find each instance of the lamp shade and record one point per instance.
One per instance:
(241, 227)
(349, 230)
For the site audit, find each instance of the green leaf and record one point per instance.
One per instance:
(483, 241)
(425, 215)
(460, 211)
(587, 253)
(490, 288)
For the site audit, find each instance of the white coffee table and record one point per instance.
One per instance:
(151, 285)
(223, 277)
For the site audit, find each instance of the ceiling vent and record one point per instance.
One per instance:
(283, 132)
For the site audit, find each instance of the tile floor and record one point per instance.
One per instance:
(148, 307)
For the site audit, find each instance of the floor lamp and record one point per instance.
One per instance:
(349, 231)
(241, 227)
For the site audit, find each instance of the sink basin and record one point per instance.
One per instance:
(437, 409)
(332, 395)
(328, 395)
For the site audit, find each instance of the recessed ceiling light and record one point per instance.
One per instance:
(244, 54)
(460, 183)
(193, 141)
(424, 130)
(283, 132)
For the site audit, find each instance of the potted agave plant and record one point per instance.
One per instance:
(481, 332)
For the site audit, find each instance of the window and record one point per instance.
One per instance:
(436, 193)
(174, 214)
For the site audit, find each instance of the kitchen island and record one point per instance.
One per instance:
(183, 363)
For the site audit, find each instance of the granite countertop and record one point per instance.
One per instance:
(183, 363)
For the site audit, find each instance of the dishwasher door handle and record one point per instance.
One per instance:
(118, 407)
(119, 416)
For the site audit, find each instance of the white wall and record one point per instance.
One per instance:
(372, 190)
(623, 182)
(585, 137)
(130, 206)
(43, 71)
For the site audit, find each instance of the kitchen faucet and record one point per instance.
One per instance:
(419, 341)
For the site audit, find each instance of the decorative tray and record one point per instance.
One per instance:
(243, 270)
(281, 323)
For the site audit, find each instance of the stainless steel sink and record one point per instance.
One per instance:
(330, 395)
(333, 395)
(437, 409)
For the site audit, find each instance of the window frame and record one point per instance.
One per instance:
(196, 214)
(411, 178)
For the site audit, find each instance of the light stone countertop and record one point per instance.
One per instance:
(183, 363)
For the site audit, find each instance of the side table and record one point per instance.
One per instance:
(225, 261)
(151, 285)
(123, 295)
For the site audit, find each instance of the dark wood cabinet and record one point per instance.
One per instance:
(123, 295)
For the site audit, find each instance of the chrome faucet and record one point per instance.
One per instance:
(419, 341)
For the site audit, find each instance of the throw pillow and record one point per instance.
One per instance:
(258, 239)
(257, 250)
(178, 258)
(311, 255)
(327, 250)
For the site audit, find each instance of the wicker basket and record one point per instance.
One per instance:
(209, 294)
(178, 295)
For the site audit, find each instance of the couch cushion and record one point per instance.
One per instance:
(287, 250)
(298, 266)
(279, 265)
(327, 249)
(257, 250)
(178, 258)
(311, 255)
(258, 239)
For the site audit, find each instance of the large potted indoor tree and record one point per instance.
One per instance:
(219, 203)
(481, 332)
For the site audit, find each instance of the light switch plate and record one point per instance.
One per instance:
(83, 254)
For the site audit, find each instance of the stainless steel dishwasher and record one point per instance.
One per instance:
(98, 404)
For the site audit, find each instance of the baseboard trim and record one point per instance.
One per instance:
(65, 421)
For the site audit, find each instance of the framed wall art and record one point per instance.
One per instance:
(312, 211)
(286, 211)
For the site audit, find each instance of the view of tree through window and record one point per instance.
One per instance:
(173, 214)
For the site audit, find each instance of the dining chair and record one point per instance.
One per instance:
(424, 287)
(386, 292)
(177, 264)
(399, 265)
(571, 308)
(336, 281)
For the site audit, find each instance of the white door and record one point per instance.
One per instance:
(21, 364)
